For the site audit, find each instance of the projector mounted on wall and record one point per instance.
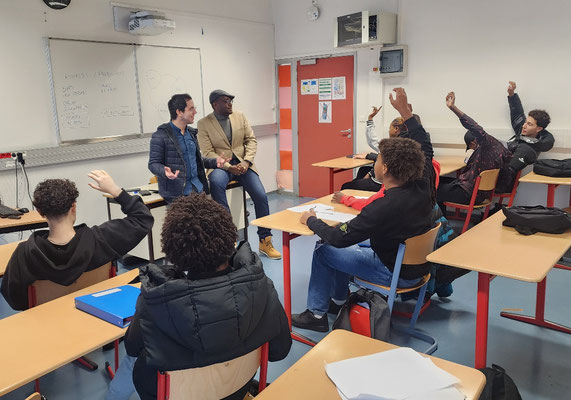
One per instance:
(149, 23)
(139, 22)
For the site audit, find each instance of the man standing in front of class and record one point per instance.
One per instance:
(174, 155)
(226, 132)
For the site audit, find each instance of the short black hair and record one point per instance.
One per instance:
(541, 117)
(403, 158)
(178, 102)
(54, 197)
(198, 234)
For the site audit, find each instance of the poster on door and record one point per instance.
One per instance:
(324, 112)
(308, 86)
(324, 88)
(339, 88)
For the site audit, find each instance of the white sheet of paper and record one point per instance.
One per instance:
(315, 206)
(393, 374)
(335, 216)
(448, 393)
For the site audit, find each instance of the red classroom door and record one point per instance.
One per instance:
(321, 141)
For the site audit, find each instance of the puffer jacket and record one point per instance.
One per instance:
(182, 323)
(166, 152)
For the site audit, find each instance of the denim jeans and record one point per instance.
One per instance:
(252, 184)
(332, 267)
(121, 386)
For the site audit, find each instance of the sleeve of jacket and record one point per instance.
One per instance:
(417, 133)
(280, 345)
(372, 156)
(250, 142)
(117, 237)
(516, 113)
(372, 138)
(546, 141)
(481, 135)
(15, 282)
(157, 156)
(133, 337)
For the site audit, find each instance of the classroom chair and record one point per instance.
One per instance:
(215, 381)
(35, 396)
(42, 291)
(486, 181)
(412, 252)
(510, 195)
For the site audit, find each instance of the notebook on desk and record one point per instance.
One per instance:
(116, 306)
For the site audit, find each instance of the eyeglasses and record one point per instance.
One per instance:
(227, 101)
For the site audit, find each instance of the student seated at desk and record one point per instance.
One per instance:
(403, 212)
(212, 305)
(530, 139)
(64, 251)
(489, 153)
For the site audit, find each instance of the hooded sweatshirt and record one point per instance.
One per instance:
(90, 248)
(184, 323)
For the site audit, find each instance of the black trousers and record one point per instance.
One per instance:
(362, 184)
(449, 190)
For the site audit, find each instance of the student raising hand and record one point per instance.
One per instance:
(400, 103)
(374, 112)
(511, 88)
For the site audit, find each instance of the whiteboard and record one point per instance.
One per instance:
(164, 71)
(94, 89)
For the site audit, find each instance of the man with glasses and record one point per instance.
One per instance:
(225, 133)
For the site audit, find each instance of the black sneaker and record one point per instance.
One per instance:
(306, 320)
(334, 308)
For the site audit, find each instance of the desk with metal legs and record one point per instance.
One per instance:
(495, 250)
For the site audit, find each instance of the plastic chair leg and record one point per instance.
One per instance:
(468, 216)
(418, 306)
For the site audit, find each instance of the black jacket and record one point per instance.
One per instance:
(182, 323)
(166, 152)
(403, 212)
(37, 258)
(525, 150)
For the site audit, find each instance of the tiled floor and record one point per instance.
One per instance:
(537, 359)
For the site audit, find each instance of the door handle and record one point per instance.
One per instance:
(346, 132)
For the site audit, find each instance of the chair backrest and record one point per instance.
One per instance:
(34, 396)
(43, 291)
(153, 179)
(215, 381)
(488, 179)
(419, 247)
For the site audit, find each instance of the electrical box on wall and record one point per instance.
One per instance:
(393, 61)
(365, 29)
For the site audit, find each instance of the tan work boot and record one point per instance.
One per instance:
(267, 248)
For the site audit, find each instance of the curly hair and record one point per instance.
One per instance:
(198, 234)
(54, 197)
(541, 117)
(403, 158)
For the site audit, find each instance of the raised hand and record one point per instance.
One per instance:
(511, 88)
(104, 182)
(170, 175)
(450, 100)
(400, 103)
(374, 112)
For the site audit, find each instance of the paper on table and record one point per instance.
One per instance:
(448, 393)
(334, 216)
(315, 206)
(393, 374)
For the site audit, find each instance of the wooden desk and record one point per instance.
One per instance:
(494, 250)
(449, 164)
(288, 222)
(551, 182)
(307, 378)
(340, 164)
(6, 251)
(44, 338)
(30, 220)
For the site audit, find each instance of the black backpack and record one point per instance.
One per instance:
(558, 168)
(499, 385)
(374, 321)
(528, 220)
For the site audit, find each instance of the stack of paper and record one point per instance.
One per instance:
(399, 374)
(324, 211)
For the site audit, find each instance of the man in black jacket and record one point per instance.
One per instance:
(64, 252)
(212, 305)
(405, 211)
(175, 156)
(531, 139)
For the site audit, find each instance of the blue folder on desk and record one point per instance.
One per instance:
(116, 305)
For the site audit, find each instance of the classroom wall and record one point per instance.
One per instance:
(236, 42)
(473, 48)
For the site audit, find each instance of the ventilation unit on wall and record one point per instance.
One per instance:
(365, 29)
